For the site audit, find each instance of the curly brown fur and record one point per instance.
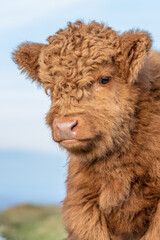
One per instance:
(113, 183)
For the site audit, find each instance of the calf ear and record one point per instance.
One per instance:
(27, 58)
(134, 46)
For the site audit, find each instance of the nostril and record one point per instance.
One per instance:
(75, 123)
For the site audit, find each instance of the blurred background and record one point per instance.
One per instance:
(32, 167)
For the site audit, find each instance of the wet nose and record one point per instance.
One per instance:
(66, 130)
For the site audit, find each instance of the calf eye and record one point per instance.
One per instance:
(104, 80)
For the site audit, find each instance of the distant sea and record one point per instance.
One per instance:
(30, 177)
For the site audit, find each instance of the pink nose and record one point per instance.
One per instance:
(66, 130)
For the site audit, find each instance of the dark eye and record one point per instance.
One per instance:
(104, 80)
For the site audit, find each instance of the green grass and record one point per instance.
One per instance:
(28, 222)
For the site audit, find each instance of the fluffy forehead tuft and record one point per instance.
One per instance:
(78, 32)
(75, 52)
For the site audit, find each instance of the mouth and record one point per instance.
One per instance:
(68, 141)
(79, 142)
(78, 145)
(73, 144)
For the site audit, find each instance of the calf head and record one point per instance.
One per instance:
(90, 72)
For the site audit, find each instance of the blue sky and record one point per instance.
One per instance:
(22, 105)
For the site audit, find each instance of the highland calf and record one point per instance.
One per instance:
(105, 94)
